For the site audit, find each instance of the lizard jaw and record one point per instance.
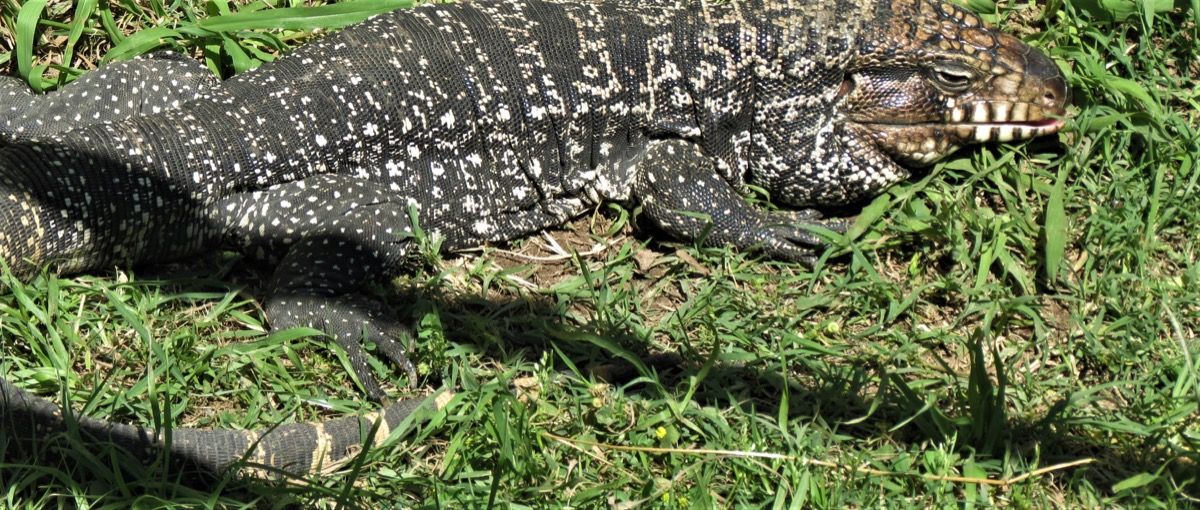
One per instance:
(1007, 131)
(925, 143)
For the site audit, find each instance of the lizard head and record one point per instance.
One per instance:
(938, 79)
(914, 81)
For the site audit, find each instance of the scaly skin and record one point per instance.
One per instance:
(490, 121)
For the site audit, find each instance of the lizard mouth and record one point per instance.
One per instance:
(921, 144)
(1005, 131)
(979, 132)
(1004, 121)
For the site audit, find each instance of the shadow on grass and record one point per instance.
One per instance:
(859, 400)
(867, 403)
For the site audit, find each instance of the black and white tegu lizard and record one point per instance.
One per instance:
(491, 120)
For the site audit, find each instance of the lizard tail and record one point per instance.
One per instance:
(293, 449)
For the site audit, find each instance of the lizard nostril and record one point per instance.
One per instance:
(1056, 95)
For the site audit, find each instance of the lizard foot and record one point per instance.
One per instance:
(354, 322)
(682, 191)
(355, 232)
(789, 235)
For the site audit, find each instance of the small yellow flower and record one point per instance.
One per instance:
(661, 432)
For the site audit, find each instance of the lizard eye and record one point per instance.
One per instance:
(952, 78)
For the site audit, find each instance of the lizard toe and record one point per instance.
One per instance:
(800, 215)
(390, 339)
(812, 219)
(782, 248)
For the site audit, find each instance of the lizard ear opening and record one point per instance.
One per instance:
(846, 88)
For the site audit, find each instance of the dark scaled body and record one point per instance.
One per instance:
(488, 121)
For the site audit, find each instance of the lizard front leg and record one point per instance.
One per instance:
(336, 233)
(681, 190)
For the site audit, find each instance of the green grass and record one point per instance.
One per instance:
(1015, 308)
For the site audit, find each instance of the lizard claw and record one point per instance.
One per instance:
(393, 350)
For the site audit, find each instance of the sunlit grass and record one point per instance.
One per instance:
(1014, 308)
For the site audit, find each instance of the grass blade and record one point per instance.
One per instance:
(1054, 228)
(83, 11)
(302, 18)
(141, 43)
(26, 34)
